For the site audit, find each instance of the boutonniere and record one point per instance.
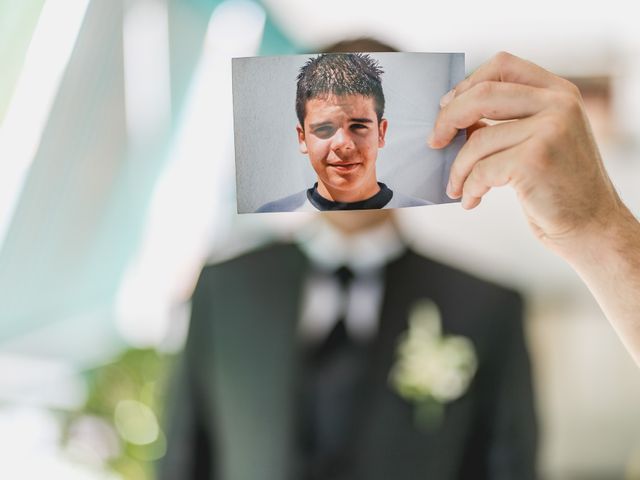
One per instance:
(431, 369)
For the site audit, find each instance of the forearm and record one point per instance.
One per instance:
(608, 261)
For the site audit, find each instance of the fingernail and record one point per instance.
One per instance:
(447, 97)
(453, 193)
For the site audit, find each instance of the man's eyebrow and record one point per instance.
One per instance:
(313, 126)
(361, 120)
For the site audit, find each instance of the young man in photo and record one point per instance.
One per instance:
(340, 106)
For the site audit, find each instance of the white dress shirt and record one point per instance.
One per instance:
(324, 301)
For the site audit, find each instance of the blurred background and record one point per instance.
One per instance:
(117, 185)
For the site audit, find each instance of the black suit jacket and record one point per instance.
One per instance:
(233, 409)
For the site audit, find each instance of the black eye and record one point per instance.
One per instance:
(324, 132)
(358, 126)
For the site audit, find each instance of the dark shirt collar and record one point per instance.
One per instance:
(379, 200)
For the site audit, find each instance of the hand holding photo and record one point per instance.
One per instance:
(346, 143)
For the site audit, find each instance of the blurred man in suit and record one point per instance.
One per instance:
(285, 374)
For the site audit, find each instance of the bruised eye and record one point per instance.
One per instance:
(324, 132)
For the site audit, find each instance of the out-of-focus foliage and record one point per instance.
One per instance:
(129, 396)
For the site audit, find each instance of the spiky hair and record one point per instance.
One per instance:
(339, 74)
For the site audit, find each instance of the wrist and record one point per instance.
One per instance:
(615, 237)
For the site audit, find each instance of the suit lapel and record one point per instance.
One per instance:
(255, 410)
(384, 414)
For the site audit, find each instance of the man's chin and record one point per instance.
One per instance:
(344, 185)
(342, 191)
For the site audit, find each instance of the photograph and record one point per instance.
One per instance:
(341, 131)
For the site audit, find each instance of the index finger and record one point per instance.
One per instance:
(504, 67)
(488, 100)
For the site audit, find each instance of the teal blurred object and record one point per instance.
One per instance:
(18, 19)
(274, 41)
(48, 259)
(80, 217)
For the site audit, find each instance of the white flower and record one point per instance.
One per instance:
(430, 366)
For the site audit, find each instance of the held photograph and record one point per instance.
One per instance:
(341, 131)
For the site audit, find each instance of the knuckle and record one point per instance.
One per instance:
(484, 88)
(538, 157)
(570, 102)
(503, 58)
(482, 141)
(552, 128)
(474, 142)
(566, 104)
(464, 84)
(571, 88)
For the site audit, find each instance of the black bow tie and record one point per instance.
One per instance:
(338, 337)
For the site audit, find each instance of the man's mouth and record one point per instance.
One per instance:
(344, 167)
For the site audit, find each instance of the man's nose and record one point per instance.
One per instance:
(341, 140)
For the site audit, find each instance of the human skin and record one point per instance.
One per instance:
(547, 153)
(341, 137)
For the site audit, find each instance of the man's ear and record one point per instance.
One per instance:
(382, 131)
(302, 144)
